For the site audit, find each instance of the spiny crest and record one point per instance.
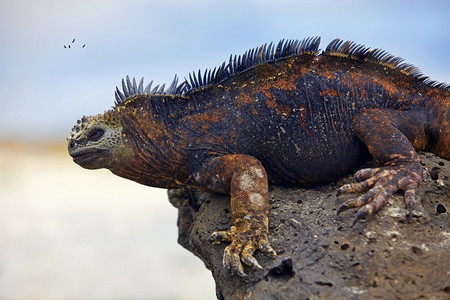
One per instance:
(236, 64)
(130, 88)
(270, 53)
(251, 58)
(353, 50)
(81, 124)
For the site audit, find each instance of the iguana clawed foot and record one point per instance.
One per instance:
(247, 235)
(379, 184)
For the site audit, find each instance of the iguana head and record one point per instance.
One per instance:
(96, 142)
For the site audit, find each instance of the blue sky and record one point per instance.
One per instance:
(45, 88)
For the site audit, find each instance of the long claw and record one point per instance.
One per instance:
(409, 196)
(341, 208)
(252, 262)
(362, 213)
(247, 256)
(241, 272)
(267, 249)
(355, 220)
(351, 203)
(410, 214)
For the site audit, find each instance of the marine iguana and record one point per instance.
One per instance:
(284, 114)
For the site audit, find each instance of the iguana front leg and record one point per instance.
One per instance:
(391, 137)
(245, 179)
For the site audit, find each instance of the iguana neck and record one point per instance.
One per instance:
(151, 167)
(150, 135)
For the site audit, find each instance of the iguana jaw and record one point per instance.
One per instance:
(91, 158)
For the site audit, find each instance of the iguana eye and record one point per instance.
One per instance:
(95, 134)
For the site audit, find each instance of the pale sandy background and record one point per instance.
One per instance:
(70, 233)
(67, 233)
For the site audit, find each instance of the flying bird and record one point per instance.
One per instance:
(73, 41)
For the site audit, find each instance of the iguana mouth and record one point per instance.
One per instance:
(85, 156)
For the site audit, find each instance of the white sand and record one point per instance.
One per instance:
(71, 233)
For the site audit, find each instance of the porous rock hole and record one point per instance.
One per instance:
(283, 271)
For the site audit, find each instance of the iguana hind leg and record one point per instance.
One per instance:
(245, 179)
(175, 196)
(391, 137)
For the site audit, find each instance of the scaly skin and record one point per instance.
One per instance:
(292, 118)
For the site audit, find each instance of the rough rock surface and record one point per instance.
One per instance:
(320, 256)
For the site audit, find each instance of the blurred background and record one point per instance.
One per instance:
(70, 233)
